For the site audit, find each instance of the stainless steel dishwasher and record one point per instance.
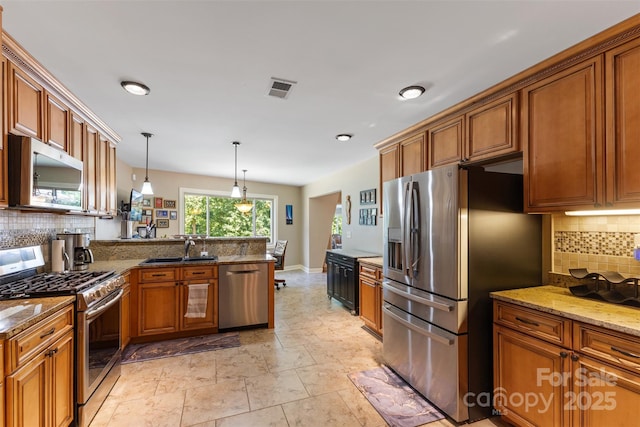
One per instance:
(243, 295)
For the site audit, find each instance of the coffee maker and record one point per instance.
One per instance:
(76, 246)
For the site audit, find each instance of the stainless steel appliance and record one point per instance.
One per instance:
(76, 246)
(451, 236)
(97, 310)
(41, 176)
(243, 295)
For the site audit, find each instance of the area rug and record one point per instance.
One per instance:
(180, 346)
(394, 399)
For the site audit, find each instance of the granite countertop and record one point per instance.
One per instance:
(121, 266)
(377, 261)
(18, 314)
(560, 301)
(354, 253)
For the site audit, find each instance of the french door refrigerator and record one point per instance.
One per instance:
(451, 236)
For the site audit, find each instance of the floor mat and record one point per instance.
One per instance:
(180, 346)
(394, 399)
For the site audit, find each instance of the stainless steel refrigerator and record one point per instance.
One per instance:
(451, 236)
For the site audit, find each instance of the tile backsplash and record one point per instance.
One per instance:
(29, 229)
(596, 243)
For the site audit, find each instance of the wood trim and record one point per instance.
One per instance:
(595, 45)
(17, 55)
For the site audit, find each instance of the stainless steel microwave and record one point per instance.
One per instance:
(41, 176)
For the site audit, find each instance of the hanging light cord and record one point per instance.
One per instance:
(235, 179)
(146, 168)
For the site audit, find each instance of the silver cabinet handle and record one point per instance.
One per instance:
(436, 337)
(424, 301)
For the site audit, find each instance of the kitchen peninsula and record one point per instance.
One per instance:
(156, 295)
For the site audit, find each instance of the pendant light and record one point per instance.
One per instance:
(244, 206)
(146, 186)
(235, 191)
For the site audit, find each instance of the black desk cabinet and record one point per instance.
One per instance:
(342, 280)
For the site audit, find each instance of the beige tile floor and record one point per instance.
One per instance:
(294, 375)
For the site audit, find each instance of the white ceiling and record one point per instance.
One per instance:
(208, 64)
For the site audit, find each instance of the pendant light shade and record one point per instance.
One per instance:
(235, 191)
(244, 206)
(146, 186)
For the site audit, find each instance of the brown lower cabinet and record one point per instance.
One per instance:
(161, 296)
(371, 297)
(553, 371)
(39, 384)
(125, 318)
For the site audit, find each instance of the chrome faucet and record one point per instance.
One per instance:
(187, 244)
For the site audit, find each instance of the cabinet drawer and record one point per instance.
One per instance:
(619, 349)
(341, 259)
(201, 272)
(30, 342)
(158, 275)
(370, 271)
(545, 326)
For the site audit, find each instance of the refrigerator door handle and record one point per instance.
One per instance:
(415, 229)
(406, 230)
(387, 309)
(434, 304)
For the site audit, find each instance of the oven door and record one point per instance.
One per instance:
(98, 344)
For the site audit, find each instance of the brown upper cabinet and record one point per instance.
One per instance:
(622, 71)
(56, 123)
(389, 166)
(89, 158)
(562, 139)
(445, 141)
(491, 129)
(4, 188)
(25, 104)
(412, 157)
(76, 140)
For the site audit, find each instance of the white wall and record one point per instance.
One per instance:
(349, 182)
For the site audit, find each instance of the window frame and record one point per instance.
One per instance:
(217, 193)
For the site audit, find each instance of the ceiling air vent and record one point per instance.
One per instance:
(280, 88)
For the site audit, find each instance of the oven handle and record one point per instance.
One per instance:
(419, 300)
(434, 336)
(97, 311)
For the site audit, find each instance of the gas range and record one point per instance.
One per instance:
(89, 286)
(21, 280)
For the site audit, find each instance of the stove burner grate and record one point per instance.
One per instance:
(49, 284)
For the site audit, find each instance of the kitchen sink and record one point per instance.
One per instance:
(177, 260)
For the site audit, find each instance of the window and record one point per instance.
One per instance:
(215, 215)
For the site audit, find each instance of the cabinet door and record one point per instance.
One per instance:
(57, 123)
(491, 129)
(4, 180)
(102, 162)
(445, 141)
(369, 303)
(525, 366)
(158, 308)
(125, 319)
(389, 167)
(89, 156)
(76, 139)
(62, 362)
(112, 184)
(210, 320)
(412, 158)
(28, 400)
(562, 139)
(25, 104)
(603, 395)
(623, 125)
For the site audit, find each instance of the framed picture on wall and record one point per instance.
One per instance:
(169, 204)
(163, 223)
(162, 213)
(146, 203)
(157, 202)
(173, 214)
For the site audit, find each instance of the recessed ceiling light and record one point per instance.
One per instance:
(343, 137)
(135, 88)
(411, 92)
